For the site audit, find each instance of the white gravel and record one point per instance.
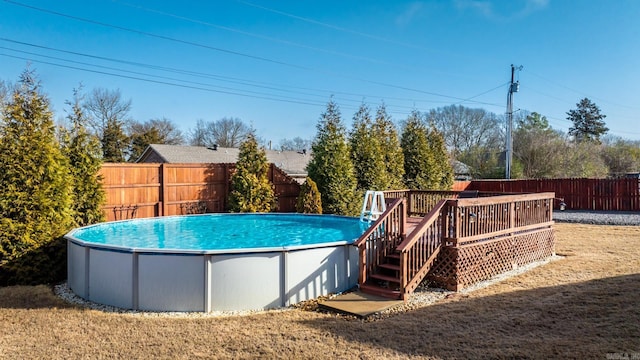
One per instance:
(631, 218)
(65, 293)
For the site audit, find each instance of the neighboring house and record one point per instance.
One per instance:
(294, 163)
(461, 171)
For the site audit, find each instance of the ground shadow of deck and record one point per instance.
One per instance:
(582, 320)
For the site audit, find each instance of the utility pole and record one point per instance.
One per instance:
(514, 86)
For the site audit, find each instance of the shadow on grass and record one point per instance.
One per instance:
(581, 320)
(31, 297)
(46, 264)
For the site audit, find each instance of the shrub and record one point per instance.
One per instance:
(309, 201)
(251, 189)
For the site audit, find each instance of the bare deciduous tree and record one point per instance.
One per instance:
(226, 132)
(465, 129)
(108, 117)
(4, 94)
(106, 106)
(295, 144)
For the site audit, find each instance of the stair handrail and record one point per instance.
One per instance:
(361, 243)
(410, 281)
(382, 218)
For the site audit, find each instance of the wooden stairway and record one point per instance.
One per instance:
(387, 280)
(392, 262)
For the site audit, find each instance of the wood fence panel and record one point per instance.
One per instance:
(460, 185)
(578, 194)
(149, 190)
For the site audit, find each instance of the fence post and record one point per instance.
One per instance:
(163, 190)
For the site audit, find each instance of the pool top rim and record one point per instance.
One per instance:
(124, 249)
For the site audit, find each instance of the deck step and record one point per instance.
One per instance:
(390, 267)
(388, 278)
(393, 256)
(376, 290)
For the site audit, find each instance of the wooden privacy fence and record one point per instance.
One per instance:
(149, 190)
(578, 194)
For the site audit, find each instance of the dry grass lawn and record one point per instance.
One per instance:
(583, 306)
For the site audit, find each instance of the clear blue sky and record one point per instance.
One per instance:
(275, 64)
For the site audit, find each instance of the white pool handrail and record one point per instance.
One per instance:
(373, 205)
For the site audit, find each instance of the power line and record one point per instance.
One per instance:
(270, 86)
(156, 81)
(482, 93)
(142, 74)
(163, 37)
(239, 53)
(258, 36)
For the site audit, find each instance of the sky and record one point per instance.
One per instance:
(276, 64)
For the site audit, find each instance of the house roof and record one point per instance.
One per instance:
(292, 162)
(460, 168)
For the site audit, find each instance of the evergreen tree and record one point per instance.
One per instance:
(366, 153)
(309, 200)
(419, 162)
(587, 121)
(83, 154)
(35, 187)
(251, 190)
(442, 172)
(114, 142)
(140, 141)
(330, 166)
(393, 157)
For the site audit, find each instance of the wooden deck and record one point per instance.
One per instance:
(412, 223)
(453, 239)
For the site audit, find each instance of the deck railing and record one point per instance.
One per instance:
(381, 238)
(420, 202)
(480, 219)
(420, 249)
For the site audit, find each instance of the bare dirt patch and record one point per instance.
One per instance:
(583, 306)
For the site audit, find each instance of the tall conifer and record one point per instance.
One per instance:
(35, 186)
(442, 172)
(366, 152)
(83, 153)
(393, 157)
(330, 166)
(419, 162)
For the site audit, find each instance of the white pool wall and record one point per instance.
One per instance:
(205, 281)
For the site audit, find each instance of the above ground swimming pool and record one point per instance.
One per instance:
(213, 262)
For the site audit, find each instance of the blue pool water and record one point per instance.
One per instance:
(223, 231)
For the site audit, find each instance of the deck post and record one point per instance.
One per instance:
(362, 273)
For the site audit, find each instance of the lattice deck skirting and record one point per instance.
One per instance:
(461, 266)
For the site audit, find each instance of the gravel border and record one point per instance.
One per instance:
(628, 218)
(66, 294)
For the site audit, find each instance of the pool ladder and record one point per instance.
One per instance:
(373, 206)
